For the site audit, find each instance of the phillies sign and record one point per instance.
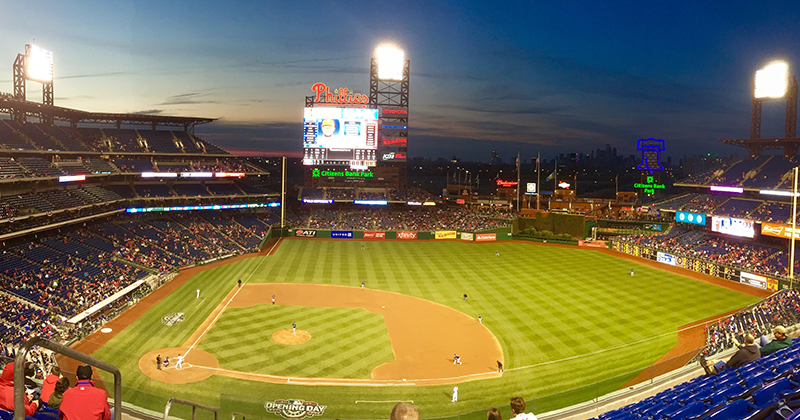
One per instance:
(341, 95)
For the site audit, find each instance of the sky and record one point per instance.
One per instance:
(527, 77)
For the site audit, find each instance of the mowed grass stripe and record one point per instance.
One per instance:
(353, 341)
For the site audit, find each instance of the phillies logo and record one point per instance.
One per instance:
(294, 409)
(339, 96)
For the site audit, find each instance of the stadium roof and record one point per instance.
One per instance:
(11, 105)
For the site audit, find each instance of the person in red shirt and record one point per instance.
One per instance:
(7, 393)
(49, 383)
(84, 401)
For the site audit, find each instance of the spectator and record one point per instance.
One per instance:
(781, 341)
(746, 354)
(518, 409)
(49, 383)
(84, 401)
(62, 385)
(404, 411)
(493, 414)
(7, 393)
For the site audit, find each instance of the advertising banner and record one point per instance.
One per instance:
(733, 226)
(754, 280)
(486, 237)
(666, 258)
(694, 218)
(347, 234)
(465, 236)
(374, 235)
(593, 244)
(779, 231)
(406, 235)
(446, 234)
(305, 233)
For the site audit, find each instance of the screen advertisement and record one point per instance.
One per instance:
(665, 258)
(694, 218)
(340, 136)
(731, 226)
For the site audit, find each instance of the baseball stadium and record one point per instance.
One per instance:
(201, 284)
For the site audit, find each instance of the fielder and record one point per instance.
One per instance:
(198, 294)
(273, 299)
(480, 319)
(362, 284)
(294, 328)
(497, 253)
(631, 272)
(456, 359)
(455, 393)
(179, 363)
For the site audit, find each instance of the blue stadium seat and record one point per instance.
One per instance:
(735, 410)
(691, 410)
(770, 392)
(724, 394)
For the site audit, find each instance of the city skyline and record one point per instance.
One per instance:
(524, 78)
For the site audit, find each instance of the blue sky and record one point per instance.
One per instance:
(507, 76)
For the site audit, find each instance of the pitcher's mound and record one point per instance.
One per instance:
(286, 337)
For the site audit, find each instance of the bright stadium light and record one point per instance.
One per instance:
(390, 63)
(772, 80)
(39, 64)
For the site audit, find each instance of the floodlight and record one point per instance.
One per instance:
(39, 64)
(772, 80)
(390, 63)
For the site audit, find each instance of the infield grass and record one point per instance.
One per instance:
(572, 323)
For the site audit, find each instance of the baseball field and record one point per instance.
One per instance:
(567, 324)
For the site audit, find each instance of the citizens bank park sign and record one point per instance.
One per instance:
(294, 409)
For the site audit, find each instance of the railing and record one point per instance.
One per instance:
(19, 373)
(194, 406)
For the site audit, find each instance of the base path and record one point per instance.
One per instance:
(423, 334)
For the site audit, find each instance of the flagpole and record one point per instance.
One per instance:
(555, 177)
(538, 180)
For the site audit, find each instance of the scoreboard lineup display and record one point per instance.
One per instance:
(340, 136)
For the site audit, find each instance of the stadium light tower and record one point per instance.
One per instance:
(36, 64)
(773, 82)
(388, 92)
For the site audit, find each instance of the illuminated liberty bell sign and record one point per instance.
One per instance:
(651, 149)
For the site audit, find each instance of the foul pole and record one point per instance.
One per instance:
(283, 195)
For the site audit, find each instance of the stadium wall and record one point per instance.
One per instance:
(699, 265)
(558, 223)
(498, 234)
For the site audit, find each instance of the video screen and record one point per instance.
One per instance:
(340, 136)
(731, 226)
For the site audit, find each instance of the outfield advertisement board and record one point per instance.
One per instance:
(592, 244)
(303, 233)
(480, 237)
(779, 231)
(665, 258)
(694, 218)
(406, 235)
(374, 235)
(346, 234)
(753, 280)
(465, 236)
(446, 234)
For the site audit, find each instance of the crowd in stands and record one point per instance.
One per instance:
(391, 194)
(422, 219)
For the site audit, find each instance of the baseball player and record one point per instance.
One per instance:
(362, 247)
(631, 272)
(455, 393)
(198, 294)
(273, 299)
(362, 284)
(497, 253)
(240, 283)
(294, 328)
(166, 361)
(456, 359)
(158, 362)
(465, 297)
(499, 367)
(480, 319)
(179, 363)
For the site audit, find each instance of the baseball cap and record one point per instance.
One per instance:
(84, 372)
(779, 329)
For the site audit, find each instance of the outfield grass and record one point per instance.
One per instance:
(572, 323)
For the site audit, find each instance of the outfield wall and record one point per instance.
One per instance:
(498, 234)
(727, 272)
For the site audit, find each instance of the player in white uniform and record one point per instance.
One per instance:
(179, 363)
(456, 359)
(294, 328)
(198, 294)
(455, 393)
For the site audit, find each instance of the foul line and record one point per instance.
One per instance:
(273, 246)
(238, 289)
(199, 303)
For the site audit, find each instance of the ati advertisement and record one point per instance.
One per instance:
(340, 136)
(406, 235)
(305, 233)
(480, 237)
(446, 234)
(374, 235)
